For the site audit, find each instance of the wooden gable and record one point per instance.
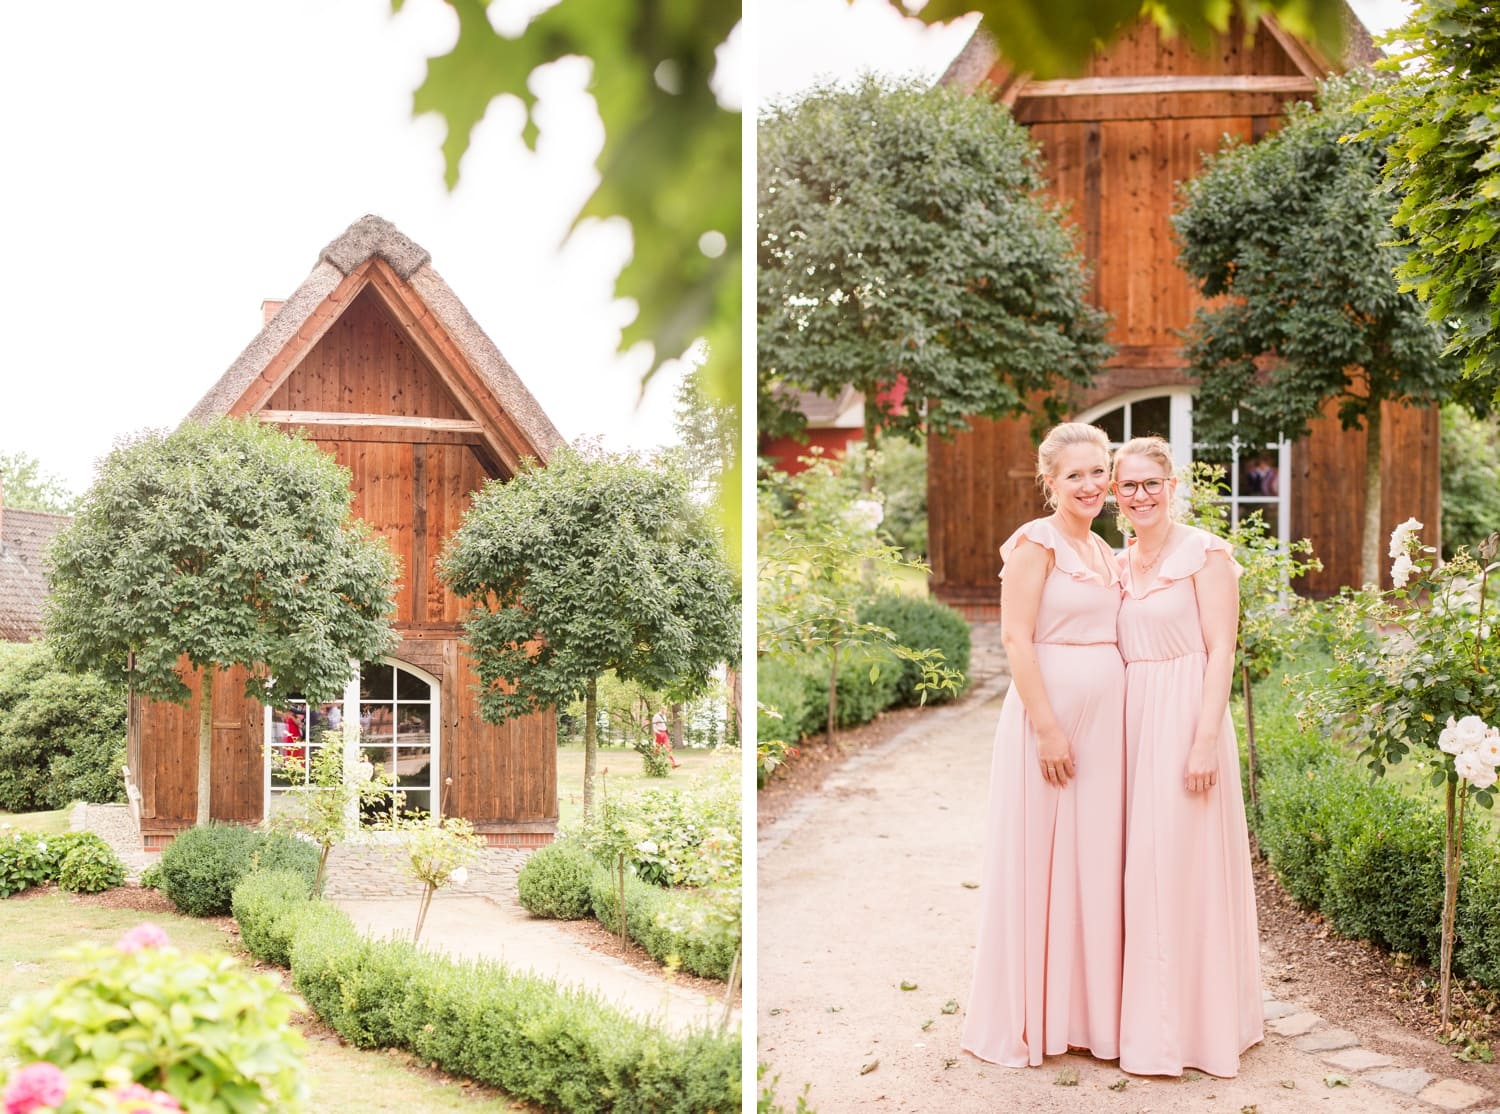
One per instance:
(1116, 142)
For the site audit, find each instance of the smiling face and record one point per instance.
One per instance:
(1080, 481)
(1144, 509)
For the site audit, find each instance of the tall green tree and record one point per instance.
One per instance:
(670, 164)
(24, 486)
(708, 429)
(592, 563)
(228, 543)
(1441, 118)
(1290, 236)
(902, 236)
(1054, 38)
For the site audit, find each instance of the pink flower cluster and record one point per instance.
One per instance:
(142, 936)
(1475, 747)
(43, 1086)
(35, 1087)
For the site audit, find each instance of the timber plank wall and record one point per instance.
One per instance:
(1114, 161)
(412, 485)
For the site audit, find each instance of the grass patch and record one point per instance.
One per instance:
(46, 823)
(625, 776)
(343, 1079)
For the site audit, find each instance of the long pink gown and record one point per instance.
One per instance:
(1047, 968)
(1191, 994)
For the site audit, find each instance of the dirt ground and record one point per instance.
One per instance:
(867, 862)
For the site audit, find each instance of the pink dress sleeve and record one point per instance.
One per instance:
(1045, 534)
(1189, 557)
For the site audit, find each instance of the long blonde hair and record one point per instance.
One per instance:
(1061, 437)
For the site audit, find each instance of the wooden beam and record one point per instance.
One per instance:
(1310, 61)
(388, 421)
(1167, 83)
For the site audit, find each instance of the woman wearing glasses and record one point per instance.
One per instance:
(1047, 966)
(1191, 995)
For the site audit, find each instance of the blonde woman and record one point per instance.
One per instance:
(1191, 995)
(1047, 968)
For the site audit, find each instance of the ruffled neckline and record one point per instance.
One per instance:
(1187, 558)
(1064, 557)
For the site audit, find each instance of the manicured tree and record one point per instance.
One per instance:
(1442, 120)
(903, 239)
(594, 562)
(227, 543)
(1291, 237)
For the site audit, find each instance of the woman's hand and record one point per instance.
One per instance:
(1202, 766)
(1055, 757)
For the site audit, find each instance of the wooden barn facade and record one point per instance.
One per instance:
(1116, 141)
(386, 370)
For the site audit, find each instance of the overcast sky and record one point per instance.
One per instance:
(169, 164)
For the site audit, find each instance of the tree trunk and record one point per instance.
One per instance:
(1369, 552)
(590, 745)
(833, 691)
(205, 741)
(1452, 862)
(675, 725)
(736, 699)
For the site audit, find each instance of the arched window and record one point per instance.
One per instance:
(1256, 478)
(397, 708)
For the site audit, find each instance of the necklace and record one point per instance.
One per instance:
(1147, 566)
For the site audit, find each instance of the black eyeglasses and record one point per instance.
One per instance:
(1150, 487)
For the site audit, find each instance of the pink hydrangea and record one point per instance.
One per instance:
(137, 1099)
(35, 1087)
(142, 936)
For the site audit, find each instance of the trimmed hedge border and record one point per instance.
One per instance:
(564, 1048)
(561, 881)
(1368, 854)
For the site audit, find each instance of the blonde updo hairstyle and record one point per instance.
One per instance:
(1059, 438)
(1154, 449)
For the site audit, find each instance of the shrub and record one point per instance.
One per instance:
(663, 923)
(670, 837)
(25, 861)
(555, 1046)
(263, 904)
(200, 1027)
(62, 735)
(151, 877)
(202, 866)
(88, 865)
(789, 686)
(554, 882)
(1478, 951)
(862, 697)
(923, 624)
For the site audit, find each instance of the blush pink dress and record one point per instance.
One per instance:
(1047, 968)
(1191, 996)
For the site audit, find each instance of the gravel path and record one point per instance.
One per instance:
(867, 885)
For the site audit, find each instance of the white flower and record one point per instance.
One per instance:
(1400, 534)
(1469, 733)
(647, 846)
(1475, 770)
(1401, 571)
(865, 514)
(460, 876)
(365, 771)
(1489, 747)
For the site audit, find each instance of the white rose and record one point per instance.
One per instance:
(1475, 770)
(646, 846)
(865, 514)
(1470, 732)
(460, 876)
(1401, 571)
(1489, 747)
(365, 771)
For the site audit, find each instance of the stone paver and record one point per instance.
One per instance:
(362, 871)
(1453, 1094)
(1409, 1081)
(1274, 1009)
(1328, 1040)
(1295, 1025)
(1358, 1059)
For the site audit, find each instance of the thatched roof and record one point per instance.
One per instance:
(369, 238)
(24, 537)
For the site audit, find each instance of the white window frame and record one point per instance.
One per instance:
(350, 702)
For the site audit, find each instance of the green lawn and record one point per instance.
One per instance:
(624, 775)
(48, 823)
(33, 929)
